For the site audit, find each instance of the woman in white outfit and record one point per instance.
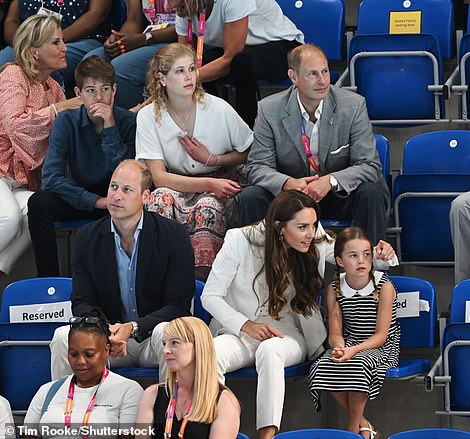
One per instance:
(262, 292)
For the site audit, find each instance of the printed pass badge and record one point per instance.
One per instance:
(41, 312)
(408, 22)
(408, 304)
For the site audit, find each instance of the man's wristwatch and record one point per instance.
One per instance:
(148, 38)
(135, 330)
(333, 183)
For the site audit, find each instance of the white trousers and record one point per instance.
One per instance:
(14, 233)
(149, 353)
(269, 357)
(460, 230)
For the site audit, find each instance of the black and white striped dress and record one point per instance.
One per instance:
(365, 372)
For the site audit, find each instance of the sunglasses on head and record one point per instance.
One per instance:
(93, 321)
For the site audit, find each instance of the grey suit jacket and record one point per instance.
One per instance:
(346, 144)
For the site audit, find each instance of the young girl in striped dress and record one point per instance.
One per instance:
(363, 332)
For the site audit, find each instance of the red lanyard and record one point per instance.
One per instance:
(308, 151)
(201, 30)
(69, 403)
(171, 413)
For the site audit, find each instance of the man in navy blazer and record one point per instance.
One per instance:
(348, 181)
(135, 266)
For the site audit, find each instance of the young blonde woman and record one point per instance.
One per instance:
(193, 143)
(191, 403)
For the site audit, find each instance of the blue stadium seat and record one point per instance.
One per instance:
(462, 72)
(400, 73)
(437, 18)
(460, 297)
(321, 21)
(318, 433)
(431, 433)
(416, 332)
(25, 358)
(435, 170)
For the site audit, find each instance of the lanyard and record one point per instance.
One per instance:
(171, 413)
(69, 403)
(308, 151)
(152, 11)
(201, 30)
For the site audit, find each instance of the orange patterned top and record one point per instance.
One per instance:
(26, 117)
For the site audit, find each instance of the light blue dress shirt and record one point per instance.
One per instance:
(126, 272)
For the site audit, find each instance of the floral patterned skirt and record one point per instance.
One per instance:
(206, 217)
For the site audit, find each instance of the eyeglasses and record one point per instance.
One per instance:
(94, 321)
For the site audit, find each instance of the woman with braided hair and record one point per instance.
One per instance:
(364, 335)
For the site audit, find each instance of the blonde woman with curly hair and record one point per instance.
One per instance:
(191, 403)
(194, 144)
(30, 102)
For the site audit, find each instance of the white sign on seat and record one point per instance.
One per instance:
(41, 312)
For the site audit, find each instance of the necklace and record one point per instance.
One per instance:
(179, 121)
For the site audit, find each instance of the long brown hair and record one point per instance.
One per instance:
(280, 260)
(161, 64)
(346, 235)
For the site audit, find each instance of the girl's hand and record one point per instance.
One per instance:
(197, 151)
(224, 188)
(337, 352)
(348, 353)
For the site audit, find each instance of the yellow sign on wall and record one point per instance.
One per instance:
(408, 22)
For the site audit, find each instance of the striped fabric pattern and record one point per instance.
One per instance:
(365, 372)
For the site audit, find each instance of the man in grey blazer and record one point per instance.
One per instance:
(348, 180)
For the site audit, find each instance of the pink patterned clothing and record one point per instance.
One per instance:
(26, 117)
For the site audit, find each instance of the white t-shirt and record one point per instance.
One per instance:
(266, 22)
(115, 406)
(217, 126)
(5, 417)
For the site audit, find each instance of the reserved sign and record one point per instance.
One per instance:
(41, 312)
(408, 304)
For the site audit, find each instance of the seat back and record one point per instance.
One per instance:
(383, 148)
(31, 311)
(418, 332)
(437, 152)
(460, 303)
(459, 358)
(199, 310)
(431, 433)
(39, 298)
(422, 205)
(435, 17)
(318, 433)
(465, 69)
(395, 87)
(321, 21)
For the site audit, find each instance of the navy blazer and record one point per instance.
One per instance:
(165, 280)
